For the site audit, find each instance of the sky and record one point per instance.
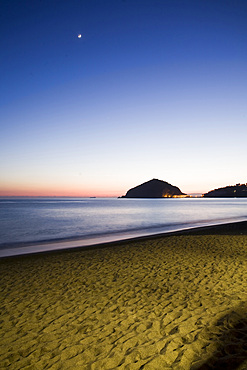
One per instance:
(152, 89)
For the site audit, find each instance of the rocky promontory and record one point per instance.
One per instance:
(235, 191)
(154, 189)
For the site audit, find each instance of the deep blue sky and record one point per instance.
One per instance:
(152, 89)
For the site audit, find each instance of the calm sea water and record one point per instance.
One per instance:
(37, 224)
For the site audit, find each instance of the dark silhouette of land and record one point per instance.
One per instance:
(236, 191)
(154, 189)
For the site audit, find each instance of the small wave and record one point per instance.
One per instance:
(101, 238)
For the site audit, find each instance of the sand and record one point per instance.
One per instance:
(171, 302)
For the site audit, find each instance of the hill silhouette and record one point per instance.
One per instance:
(235, 191)
(154, 189)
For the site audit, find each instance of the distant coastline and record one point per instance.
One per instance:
(235, 191)
(161, 189)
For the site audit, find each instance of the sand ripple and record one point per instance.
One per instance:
(177, 302)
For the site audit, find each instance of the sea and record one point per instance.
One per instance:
(30, 225)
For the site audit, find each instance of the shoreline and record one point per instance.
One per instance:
(60, 245)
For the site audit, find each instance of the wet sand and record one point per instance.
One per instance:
(167, 302)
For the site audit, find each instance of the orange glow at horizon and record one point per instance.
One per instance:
(52, 191)
(69, 190)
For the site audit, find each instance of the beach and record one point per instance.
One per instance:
(175, 301)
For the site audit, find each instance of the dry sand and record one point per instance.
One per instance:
(173, 302)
